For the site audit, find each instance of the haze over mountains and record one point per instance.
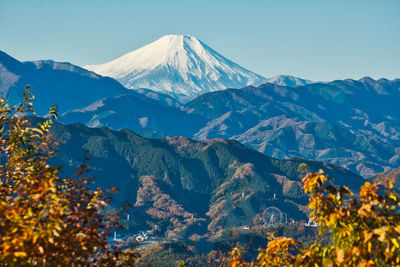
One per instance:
(354, 124)
(351, 123)
(333, 122)
(60, 83)
(287, 80)
(201, 186)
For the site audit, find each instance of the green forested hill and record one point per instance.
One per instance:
(335, 122)
(185, 186)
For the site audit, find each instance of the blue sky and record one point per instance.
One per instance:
(314, 39)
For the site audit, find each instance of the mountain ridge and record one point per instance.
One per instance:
(54, 81)
(287, 80)
(187, 186)
(365, 134)
(331, 121)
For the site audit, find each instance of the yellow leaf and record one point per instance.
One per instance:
(55, 233)
(19, 254)
(390, 184)
(34, 239)
(340, 255)
(382, 234)
(6, 247)
(394, 241)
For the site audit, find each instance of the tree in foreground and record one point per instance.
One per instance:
(365, 228)
(46, 220)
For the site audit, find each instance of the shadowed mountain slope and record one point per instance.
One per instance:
(188, 186)
(355, 124)
(60, 83)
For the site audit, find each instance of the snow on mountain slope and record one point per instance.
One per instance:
(286, 80)
(178, 65)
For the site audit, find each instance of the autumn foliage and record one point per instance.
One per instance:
(46, 220)
(365, 228)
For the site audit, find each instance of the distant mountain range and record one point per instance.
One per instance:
(355, 124)
(227, 176)
(180, 65)
(189, 187)
(162, 99)
(64, 84)
(286, 80)
(142, 115)
(334, 122)
(351, 123)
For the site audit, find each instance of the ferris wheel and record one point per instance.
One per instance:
(273, 216)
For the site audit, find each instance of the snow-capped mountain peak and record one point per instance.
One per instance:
(287, 80)
(178, 65)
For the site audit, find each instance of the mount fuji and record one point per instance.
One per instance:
(179, 65)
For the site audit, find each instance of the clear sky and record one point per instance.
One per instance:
(313, 39)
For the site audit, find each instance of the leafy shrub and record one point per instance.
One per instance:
(365, 228)
(46, 220)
